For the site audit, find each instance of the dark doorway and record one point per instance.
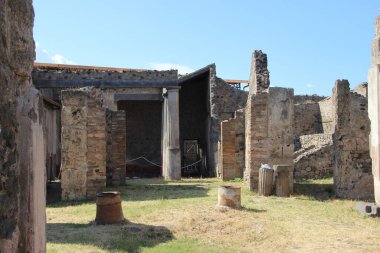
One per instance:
(193, 116)
(143, 137)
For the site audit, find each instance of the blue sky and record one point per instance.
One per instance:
(309, 44)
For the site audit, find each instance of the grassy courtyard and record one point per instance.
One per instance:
(181, 217)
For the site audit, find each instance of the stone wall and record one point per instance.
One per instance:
(327, 115)
(83, 144)
(307, 119)
(116, 147)
(22, 178)
(232, 151)
(352, 163)
(269, 131)
(224, 101)
(314, 158)
(56, 72)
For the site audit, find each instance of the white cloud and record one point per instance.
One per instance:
(310, 85)
(37, 44)
(168, 66)
(45, 51)
(59, 59)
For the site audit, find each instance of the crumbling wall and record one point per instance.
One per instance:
(314, 159)
(307, 119)
(327, 115)
(116, 147)
(269, 122)
(232, 151)
(352, 163)
(224, 101)
(83, 144)
(22, 180)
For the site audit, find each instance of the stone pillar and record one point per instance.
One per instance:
(22, 166)
(171, 162)
(374, 109)
(352, 167)
(259, 76)
(83, 169)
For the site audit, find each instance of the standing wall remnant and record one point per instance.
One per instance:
(269, 122)
(116, 147)
(374, 108)
(352, 163)
(232, 147)
(22, 163)
(83, 145)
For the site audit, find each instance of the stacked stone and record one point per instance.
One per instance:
(116, 147)
(352, 163)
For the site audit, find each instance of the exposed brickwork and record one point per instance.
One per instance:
(83, 144)
(352, 163)
(232, 147)
(116, 147)
(224, 101)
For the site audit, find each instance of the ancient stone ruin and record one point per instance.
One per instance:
(91, 127)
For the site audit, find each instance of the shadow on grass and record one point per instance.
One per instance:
(162, 191)
(253, 210)
(128, 237)
(147, 189)
(320, 192)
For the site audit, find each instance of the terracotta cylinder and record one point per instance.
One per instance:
(229, 196)
(108, 208)
(282, 181)
(265, 182)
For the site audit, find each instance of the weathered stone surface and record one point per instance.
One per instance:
(224, 101)
(259, 78)
(374, 108)
(352, 163)
(22, 194)
(83, 144)
(116, 147)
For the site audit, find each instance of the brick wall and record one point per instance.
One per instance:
(116, 147)
(232, 147)
(83, 144)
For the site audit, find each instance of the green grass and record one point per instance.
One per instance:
(181, 217)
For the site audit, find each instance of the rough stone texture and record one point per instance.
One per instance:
(352, 163)
(224, 101)
(269, 131)
(83, 144)
(361, 89)
(259, 78)
(306, 99)
(307, 119)
(314, 158)
(327, 115)
(22, 185)
(116, 147)
(374, 108)
(232, 147)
